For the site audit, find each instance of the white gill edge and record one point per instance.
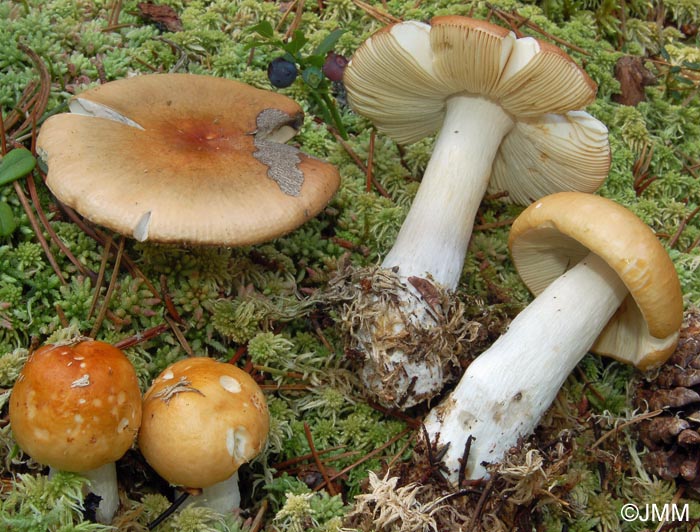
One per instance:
(81, 106)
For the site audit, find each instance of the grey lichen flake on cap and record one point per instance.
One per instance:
(184, 158)
(282, 160)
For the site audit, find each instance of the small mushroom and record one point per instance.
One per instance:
(509, 119)
(603, 283)
(184, 158)
(202, 420)
(77, 407)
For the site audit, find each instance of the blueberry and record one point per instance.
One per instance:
(334, 66)
(281, 72)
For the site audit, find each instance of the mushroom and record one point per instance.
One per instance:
(509, 116)
(77, 407)
(202, 420)
(603, 282)
(185, 158)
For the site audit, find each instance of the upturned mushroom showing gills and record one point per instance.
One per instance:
(202, 420)
(603, 283)
(77, 407)
(508, 112)
(184, 158)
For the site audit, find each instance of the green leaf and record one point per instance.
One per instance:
(296, 43)
(327, 44)
(684, 81)
(16, 163)
(315, 60)
(8, 222)
(691, 65)
(264, 28)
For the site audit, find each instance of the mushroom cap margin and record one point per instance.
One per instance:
(556, 232)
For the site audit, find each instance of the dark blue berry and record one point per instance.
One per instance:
(281, 72)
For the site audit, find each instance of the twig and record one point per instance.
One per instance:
(34, 99)
(114, 13)
(365, 458)
(304, 457)
(401, 416)
(297, 19)
(369, 173)
(626, 424)
(482, 501)
(285, 387)
(3, 140)
(168, 301)
(31, 186)
(144, 336)
(515, 20)
(37, 231)
(463, 461)
(398, 454)
(178, 334)
(169, 511)
(257, 523)
(100, 277)
(319, 464)
(358, 161)
(682, 226)
(383, 17)
(588, 385)
(110, 290)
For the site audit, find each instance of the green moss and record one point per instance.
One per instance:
(254, 302)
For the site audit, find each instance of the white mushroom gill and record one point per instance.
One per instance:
(85, 107)
(140, 232)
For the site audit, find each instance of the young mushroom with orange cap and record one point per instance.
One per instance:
(508, 112)
(77, 407)
(185, 158)
(202, 420)
(603, 283)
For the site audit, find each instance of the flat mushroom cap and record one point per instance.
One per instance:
(402, 76)
(555, 233)
(76, 407)
(185, 158)
(202, 420)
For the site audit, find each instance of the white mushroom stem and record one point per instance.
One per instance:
(434, 237)
(224, 496)
(433, 240)
(507, 389)
(103, 483)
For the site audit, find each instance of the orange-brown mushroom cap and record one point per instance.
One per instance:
(202, 420)
(553, 234)
(185, 158)
(76, 407)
